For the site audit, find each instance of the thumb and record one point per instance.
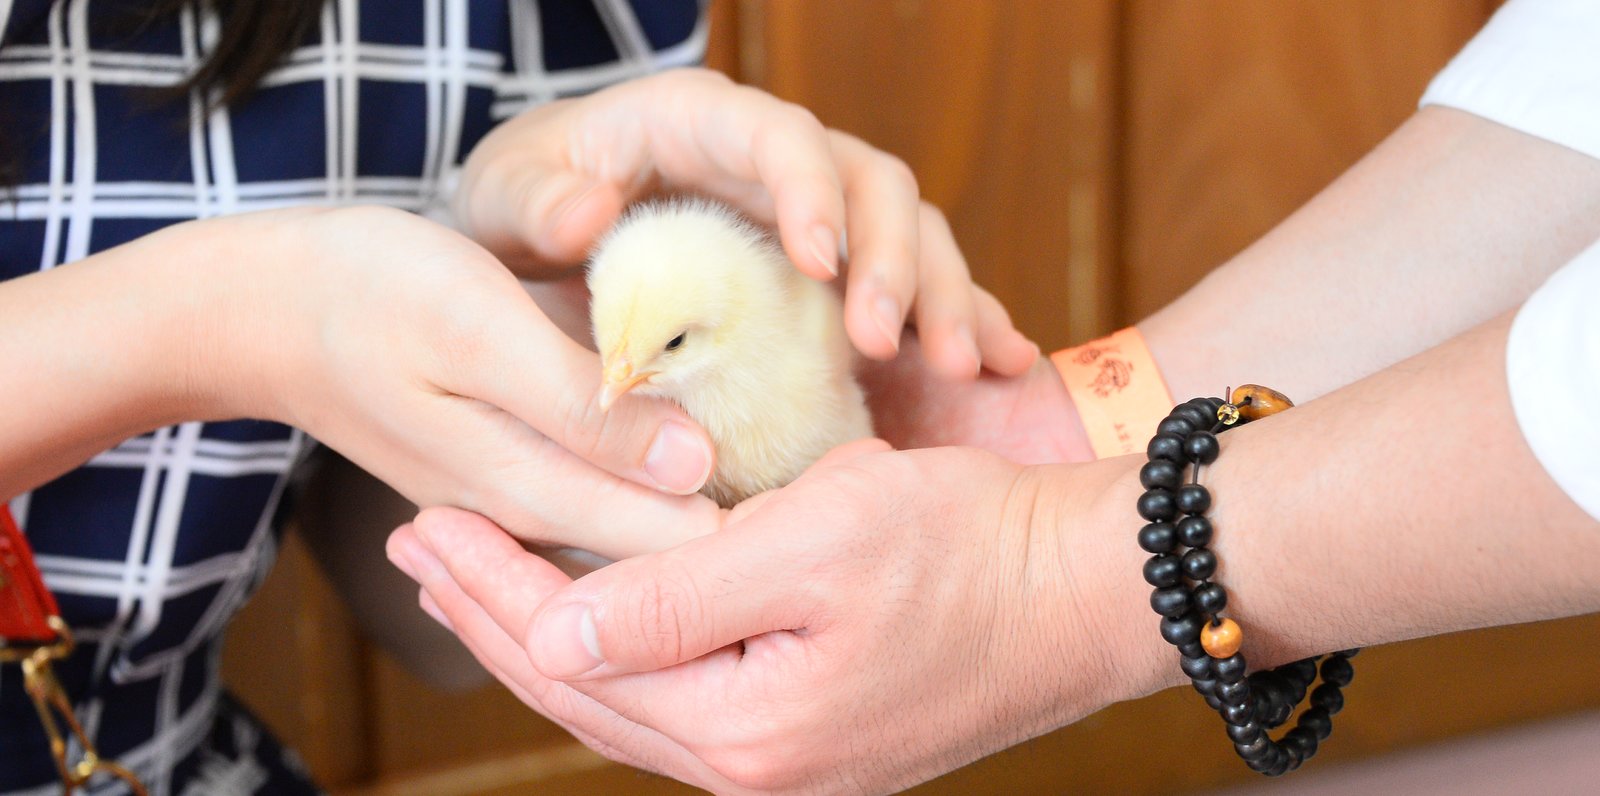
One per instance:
(659, 610)
(545, 215)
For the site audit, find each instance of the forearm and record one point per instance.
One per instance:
(100, 350)
(1407, 504)
(1448, 223)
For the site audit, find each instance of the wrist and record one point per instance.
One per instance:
(223, 331)
(1046, 404)
(1108, 648)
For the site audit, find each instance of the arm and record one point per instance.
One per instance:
(1404, 505)
(1451, 221)
(467, 401)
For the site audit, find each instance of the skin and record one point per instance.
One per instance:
(818, 644)
(468, 402)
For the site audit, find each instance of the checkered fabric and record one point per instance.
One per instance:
(153, 545)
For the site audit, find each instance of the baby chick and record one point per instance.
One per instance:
(691, 302)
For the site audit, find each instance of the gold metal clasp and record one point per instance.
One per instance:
(50, 700)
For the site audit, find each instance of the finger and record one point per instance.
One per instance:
(504, 351)
(761, 141)
(493, 596)
(946, 316)
(882, 206)
(560, 214)
(474, 456)
(656, 611)
(1006, 351)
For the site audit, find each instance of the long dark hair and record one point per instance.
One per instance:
(256, 35)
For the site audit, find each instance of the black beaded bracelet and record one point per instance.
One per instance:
(1191, 604)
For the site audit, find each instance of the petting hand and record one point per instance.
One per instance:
(888, 617)
(542, 187)
(414, 353)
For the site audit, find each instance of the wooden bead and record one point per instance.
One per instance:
(1255, 401)
(1221, 638)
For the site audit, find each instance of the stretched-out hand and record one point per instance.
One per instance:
(887, 617)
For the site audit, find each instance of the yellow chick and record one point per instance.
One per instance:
(693, 303)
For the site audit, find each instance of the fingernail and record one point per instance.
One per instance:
(424, 566)
(886, 313)
(398, 559)
(565, 641)
(678, 460)
(825, 247)
(969, 345)
(431, 607)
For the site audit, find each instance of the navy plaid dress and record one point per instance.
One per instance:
(153, 545)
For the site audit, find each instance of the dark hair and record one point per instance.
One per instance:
(255, 36)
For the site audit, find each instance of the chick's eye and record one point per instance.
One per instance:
(672, 345)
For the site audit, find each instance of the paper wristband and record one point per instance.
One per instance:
(1118, 391)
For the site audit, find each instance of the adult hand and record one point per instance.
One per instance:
(1029, 419)
(413, 352)
(542, 187)
(887, 617)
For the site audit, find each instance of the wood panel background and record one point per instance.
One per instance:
(1095, 159)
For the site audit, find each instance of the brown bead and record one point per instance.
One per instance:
(1255, 401)
(1221, 638)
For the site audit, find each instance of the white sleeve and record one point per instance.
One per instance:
(1553, 370)
(1536, 68)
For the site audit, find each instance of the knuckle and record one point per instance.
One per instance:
(668, 616)
(899, 173)
(580, 423)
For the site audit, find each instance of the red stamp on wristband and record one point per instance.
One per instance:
(1117, 388)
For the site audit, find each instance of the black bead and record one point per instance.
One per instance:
(1197, 417)
(1166, 446)
(1213, 702)
(1194, 531)
(1239, 715)
(1192, 649)
(1199, 563)
(1162, 570)
(1205, 685)
(1279, 714)
(1158, 505)
(1234, 693)
(1229, 669)
(1201, 447)
(1317, 721)
(1244, 733)
(1209, 598)
(1195, 667)
(1161, 474)
(1158, 537)
(1261, 766)
(1303, 739)
(1328, 697)
(1182, 629)
(1301, 672)
(1336, 669)
(1171, 601)
(1349, 653)
(1193, 499)
(1178, 426)
(1255, 750)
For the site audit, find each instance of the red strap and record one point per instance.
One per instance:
(25, 604)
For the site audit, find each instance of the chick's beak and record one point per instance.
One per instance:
(617, 379)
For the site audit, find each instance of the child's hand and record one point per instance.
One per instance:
(539, 190)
